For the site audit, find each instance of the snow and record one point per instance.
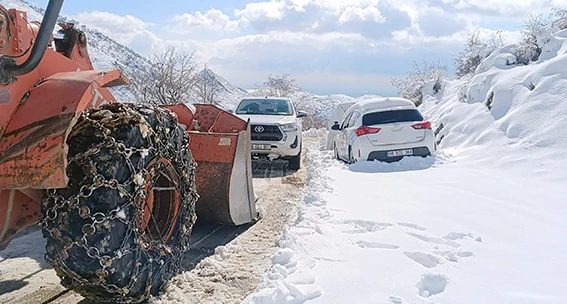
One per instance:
(420, 231)
(482, 222)
(507, 116)
(314, 133)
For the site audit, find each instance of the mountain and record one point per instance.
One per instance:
(228, 95)
(106, 53)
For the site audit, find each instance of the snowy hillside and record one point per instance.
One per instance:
(227, 94)
(517, 112)
(106, 53)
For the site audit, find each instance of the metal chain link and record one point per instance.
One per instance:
(160, 141)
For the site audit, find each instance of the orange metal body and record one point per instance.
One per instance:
(36, 113)
(220, 146)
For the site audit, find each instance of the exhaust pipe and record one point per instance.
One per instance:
(8, 68)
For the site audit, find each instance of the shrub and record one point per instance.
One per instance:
(476, 49)
(411, 86)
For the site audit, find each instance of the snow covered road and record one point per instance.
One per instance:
(421, 231)
(442, 230)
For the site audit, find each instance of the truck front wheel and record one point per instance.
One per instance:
(119, 230)
(295, 162)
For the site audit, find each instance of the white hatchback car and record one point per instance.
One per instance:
(383, 129)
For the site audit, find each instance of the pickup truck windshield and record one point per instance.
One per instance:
(264, 107)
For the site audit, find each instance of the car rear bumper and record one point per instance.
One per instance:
(382, 155)
(423, 148)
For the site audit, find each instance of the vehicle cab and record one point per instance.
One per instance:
(275, 127)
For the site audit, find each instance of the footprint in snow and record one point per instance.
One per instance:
(453, 256)
(412, 226)
(454, 236)
(425, 259)
(374, 245)
(362, 226)
(431, 284)
(435, 240)
(396, 300)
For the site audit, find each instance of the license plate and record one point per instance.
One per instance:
(261, 147)
(399, 153)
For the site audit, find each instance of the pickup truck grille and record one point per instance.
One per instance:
(266, 133)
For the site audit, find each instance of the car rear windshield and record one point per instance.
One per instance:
(385, 117)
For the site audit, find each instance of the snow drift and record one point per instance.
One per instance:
(514, 111)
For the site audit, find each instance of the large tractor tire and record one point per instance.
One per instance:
(119, 230)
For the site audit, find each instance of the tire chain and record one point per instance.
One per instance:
(54, 203)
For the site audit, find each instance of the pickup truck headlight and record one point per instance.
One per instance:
(289, 127)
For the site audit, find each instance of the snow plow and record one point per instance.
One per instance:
(115, 187)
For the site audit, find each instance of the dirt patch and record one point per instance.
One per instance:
(235, 270)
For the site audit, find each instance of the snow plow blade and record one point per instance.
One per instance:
(220, 144)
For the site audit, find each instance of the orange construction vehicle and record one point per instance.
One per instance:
(116, 187)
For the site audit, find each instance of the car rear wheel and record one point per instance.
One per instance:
(351, 159)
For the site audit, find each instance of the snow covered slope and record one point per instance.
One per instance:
(106, 53)
(518, 113)
(228, 94)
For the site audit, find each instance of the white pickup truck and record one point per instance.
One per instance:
(276, 128)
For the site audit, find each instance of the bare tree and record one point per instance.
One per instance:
(277, 86)
(207, 86)
(411, 86)
(538, 31)
(169, 80)
(476, 49)
(560, 18)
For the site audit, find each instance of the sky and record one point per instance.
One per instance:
(352, 47)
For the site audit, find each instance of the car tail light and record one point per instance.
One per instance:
(422, 125)
(366, 130)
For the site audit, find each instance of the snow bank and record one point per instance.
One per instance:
(315, 133)
(506, 114)
(291, 279)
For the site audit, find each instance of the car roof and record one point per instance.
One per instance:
(264, 98)
(383, 104)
